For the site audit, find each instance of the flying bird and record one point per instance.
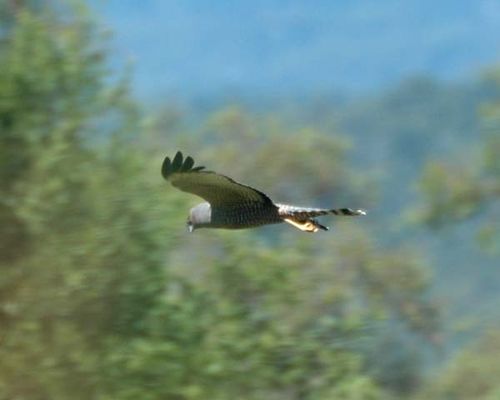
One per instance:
(232, 205)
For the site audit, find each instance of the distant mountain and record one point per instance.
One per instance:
(204, 47)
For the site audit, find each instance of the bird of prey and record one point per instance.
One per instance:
(232, 205)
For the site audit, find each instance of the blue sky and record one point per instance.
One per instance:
(275, 46)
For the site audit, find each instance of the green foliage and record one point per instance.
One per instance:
(472, 374)
(460, 190)
(77, 233)
(455, 191)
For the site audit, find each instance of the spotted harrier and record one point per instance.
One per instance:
(232, 205)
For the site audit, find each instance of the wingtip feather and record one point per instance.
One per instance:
(177, 161)
(166, 168)
(178, 164)
(188, 164)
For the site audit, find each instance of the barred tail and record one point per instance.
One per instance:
(346, 211)
(304, 218)
(286, 210)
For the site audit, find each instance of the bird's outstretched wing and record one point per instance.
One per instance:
(218, 190)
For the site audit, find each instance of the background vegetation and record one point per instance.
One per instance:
(103, 295)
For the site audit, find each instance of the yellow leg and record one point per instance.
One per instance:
(306, 226)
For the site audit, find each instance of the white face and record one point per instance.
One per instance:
(199, 216)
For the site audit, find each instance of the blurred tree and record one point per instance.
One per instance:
(455, 191)
(297, 317)
(471, 374)
(79, 243)
(468, 190)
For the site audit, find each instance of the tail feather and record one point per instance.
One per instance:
(304, 212)
(346, 211)
(304, 218)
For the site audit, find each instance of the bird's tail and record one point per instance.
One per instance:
(304, 218)
(346, 211)
(286, 210)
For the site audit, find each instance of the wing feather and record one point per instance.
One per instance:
(217, 189)
(188, 164)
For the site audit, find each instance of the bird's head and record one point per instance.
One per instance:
(199, 216)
